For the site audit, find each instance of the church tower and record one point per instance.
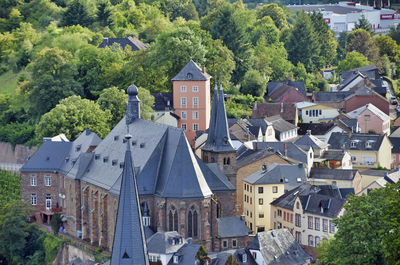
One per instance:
(218, 147)
(129, 246)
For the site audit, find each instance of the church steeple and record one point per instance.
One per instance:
(133, 107)
(218, 139)
(129, 246)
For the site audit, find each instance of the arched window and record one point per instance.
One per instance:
(228, 161)
(173, 219)
(192, 222)
(224, 161)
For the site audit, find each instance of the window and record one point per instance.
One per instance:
(297, 219)
(353, 159)
(183, 101)
(260, 201)
(284, 216)
(260, 190)
(183, 115)
(48, 201)
(173, 219)
(192, 222)
(234, 243)
(310, 240)
(320, 112)
(316, 224)
(310, 222)
(297, 205)
(306, 112)
(317, 241)
(260, 215)
(184, 126)
(251, 202)
(324, 225)
(291, 218)
(195, 88)
(195, 101)
(298, 237)
(195, 127)
(279, 225)
(195, 115)
(331, 227)
(279, 212)
(47, 180)
(33, 199)
(353, 144)
(367, 117)
(33, 180)
(154, 258)
(261, 229)
(183, 88)
(275, 189)
(251, 214)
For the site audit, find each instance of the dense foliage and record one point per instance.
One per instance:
(49, 52)
(10, 187)
(368, 232)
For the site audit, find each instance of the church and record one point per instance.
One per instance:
(179, 191)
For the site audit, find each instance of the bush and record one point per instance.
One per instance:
(51, 246)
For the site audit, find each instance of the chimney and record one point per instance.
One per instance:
(203, 69)
(281, 107)
(285, 149)
(308, 132)
(87, 131)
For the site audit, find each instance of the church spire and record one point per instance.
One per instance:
(211, 129)
(218, 134)
(129, 246)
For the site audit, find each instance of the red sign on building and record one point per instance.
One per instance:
(387, 16)
(327, 20)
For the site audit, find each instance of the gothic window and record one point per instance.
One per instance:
(192, 222)
(173, 219)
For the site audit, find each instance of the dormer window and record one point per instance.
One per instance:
(176, 259)
(105, 159)
(114, 162)
(116, 138)
(244, 258)
(78, 148)
(367, 144)
(96, 156)
(142, 145)
(133, 143)
(353, 144)
(189, 76)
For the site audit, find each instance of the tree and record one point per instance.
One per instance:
(179, 8)
(103, 14)
(20, 241)
(368, 232)
(77, 14)
(254, 84)
(231, 261)
(302, 45)
(114, 100)
(388, 46)
(275, 12)
(230, 27)
(56, 222)
(395, 33)
(265, 30)
(353, 60)
(361, 41)
(363, 24)
(220, 62)
(53, 73)
(71, 116)
(325, 37)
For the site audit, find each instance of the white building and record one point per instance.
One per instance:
(344, 15)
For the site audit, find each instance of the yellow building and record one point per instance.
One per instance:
(317, 113)
(263, 187)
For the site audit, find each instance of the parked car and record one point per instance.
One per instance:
(393, 100)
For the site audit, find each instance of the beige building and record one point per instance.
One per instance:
(263, 187)
(308, 213)
(341, 178)
(317, 113)
(366, 150)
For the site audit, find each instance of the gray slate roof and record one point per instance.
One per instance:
(313, 198)
(279, 124)
(308, 140)
(396, 144)
(330, 173)
(191, 72)
(186, 255)
(321, 96)
(274, 85)
(291, 175)
(134, 43)
(340, 141)
(220, 258)
(333, 155)
(232, 227)
(247, 156)
(315, 128)
(292, 151)
(165, 242)
(129, 244)
(163, 101)
(279, 247)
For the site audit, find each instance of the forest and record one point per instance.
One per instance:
(54, 78)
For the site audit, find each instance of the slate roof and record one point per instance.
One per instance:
(292, 151)
(363, 91)
(287, 111)
(371, 71)
(275, 85)
(279, 124)
(331, 7)
(131, 41)
(165, 242)
(322, 96)
(352, 124)
(247, 156)
(291, 175)
(343, 141)
(312, 198)
(279, 93)
(232, 227)
(396, 144)
(330, 173)
(129, 244)
(315, 128)
(163, 101)
(279, 247)
(353, 76)
(191, 72)
(218, 139)
(186, 255)
(309, 140)
(357, 112)
(220, 258)
(333, 155)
